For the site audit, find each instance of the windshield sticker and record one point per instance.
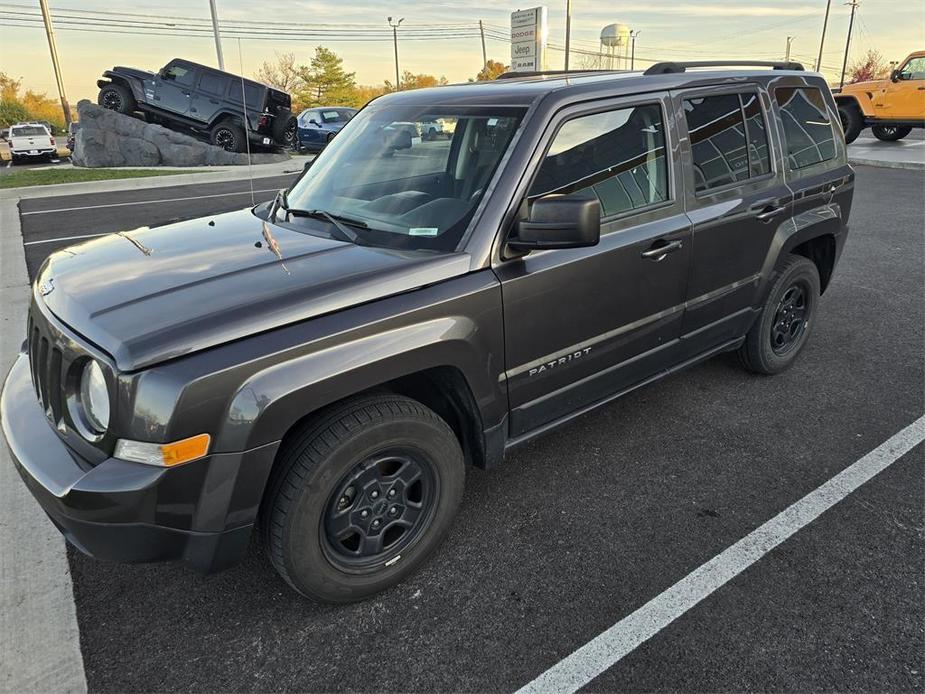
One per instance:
(423, 231)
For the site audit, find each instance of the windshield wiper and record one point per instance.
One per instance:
(281, 201)
(337, 220)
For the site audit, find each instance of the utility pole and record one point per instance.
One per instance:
(844, 66)
(484, 54)
(825, 23)
(50, 32)
(218, 38)
(568, 29)
(633, 35)
(789, 41)
(395, 40)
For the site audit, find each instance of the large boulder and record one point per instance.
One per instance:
(107, 138)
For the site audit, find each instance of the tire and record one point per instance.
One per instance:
(357, 454)
(116, 97)
(229, 136)
(780, 333)
(285, 128)
(851, 121)
(890, 133)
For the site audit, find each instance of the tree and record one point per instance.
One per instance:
(870, 66)
(324, 82)
(411, 81)
(15, 108)
(491, 71)
(282, 74)
(364, 93)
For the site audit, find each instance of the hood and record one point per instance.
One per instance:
(134, 72)
(869, 86)
(148, 295)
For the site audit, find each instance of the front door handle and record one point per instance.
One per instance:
(770, 213)
(660, 250)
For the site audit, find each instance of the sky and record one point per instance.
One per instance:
(677, 29)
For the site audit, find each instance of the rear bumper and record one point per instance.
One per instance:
(201, 513)
(40, 152)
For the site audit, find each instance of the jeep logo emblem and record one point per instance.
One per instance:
(46, 287)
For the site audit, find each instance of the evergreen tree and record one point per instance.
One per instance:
(324, 82)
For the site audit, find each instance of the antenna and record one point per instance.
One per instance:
(247, 139)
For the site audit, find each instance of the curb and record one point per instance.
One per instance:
(39, 636)
(221, 175)
(908, 165)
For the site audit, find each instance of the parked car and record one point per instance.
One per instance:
(891, 108)
(72, 135)
(31, 141)
(187, 96)
(318, 126)
(399, 319)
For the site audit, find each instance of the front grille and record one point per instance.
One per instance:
(47, 363)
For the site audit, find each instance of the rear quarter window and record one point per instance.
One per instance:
(808, 133)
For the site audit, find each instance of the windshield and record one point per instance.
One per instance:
(29, 131)
(405, 190)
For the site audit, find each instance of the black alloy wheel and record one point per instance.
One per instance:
(789, 319)
(226, 139)
(378, 509)
(112, 100)
(890, 133)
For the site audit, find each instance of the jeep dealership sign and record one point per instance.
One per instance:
(528, 40)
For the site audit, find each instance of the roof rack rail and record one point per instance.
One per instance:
(675, 67)
(552, 73)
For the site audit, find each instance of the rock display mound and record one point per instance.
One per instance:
(107, 138)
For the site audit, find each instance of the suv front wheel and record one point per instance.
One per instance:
(116, 98)
(782, 329)
(361, 497)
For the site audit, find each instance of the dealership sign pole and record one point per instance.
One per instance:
(529, 31)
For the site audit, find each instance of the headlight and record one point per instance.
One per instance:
(94, 397)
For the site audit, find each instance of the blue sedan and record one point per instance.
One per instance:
(317, 126)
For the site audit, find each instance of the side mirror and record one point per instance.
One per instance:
(895, 76)
(312, 121)
(557, 221)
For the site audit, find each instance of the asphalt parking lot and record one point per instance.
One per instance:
(583, 526)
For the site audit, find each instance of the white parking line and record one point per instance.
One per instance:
(147, 202)
(64, 238)
(607, 649)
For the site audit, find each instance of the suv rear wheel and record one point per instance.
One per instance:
(851, 121)
(228, 136)
(116, 97)
(783, 327)
(362, 496)
(889, 133)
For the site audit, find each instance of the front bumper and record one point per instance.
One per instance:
(201, 513)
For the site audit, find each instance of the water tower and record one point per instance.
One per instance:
(615, 39)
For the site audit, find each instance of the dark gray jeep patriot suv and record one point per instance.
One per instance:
(324, 367)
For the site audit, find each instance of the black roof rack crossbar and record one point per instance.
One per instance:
(675, 67)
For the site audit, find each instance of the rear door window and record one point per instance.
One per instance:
(808, 131)
(616, 156)
(212, 83)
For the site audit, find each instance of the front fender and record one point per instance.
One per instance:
(266, 405)
(860, 100)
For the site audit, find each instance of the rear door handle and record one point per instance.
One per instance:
(660, 250)
(770, 213)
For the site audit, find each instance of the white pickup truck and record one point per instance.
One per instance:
(31, 141)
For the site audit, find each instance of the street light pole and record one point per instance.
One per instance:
(50, 32)
(844, 65)
(633, 35)
(395, 40)
(825, 23)
(218, 38)
(568, 30)
(484, 54)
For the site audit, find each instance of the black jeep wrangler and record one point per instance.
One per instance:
(325, 367)
(186, 96)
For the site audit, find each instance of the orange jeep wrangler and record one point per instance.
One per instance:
(891, 107)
